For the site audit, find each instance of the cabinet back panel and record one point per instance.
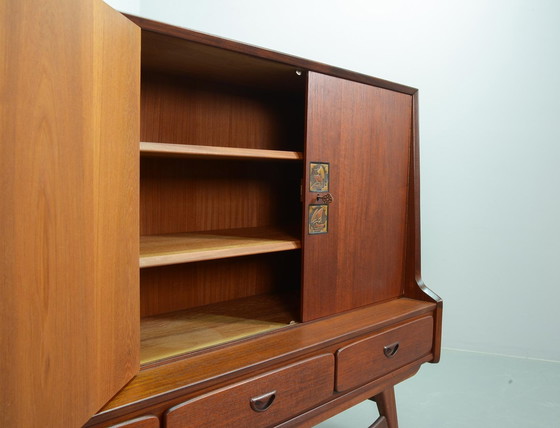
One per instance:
(185, 111)
(176, 287)
(186, 195)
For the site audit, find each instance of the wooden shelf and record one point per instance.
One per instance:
(176, 333)
(213, 152)
(161, 250)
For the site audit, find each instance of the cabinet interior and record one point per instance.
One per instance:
(222, 137)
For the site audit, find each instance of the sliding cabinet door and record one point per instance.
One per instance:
(355, 192)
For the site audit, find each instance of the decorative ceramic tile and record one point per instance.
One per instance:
(318, 219)
(318, 177)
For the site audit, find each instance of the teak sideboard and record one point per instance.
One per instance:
(200, 233)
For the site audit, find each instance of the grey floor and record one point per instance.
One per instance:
(469, 389)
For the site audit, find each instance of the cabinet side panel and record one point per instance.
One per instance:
(364, 134)
(58, 366)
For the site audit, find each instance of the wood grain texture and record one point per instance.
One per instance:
(176, 287)
(193, 195)
(69, 91)
(175, 333)
(143, 422)
(116, 200)
(178, 56)
(362, 361)
(179, 110)
(307, 419)
(218, 365)
(344, 401)
(413, 284)
(161, 250)
(296, 388)
(183, 150)
(364, 133)
(387, 406)
(150, 26)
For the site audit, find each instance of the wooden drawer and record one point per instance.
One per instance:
(377, 355)
(143, 422)
(260, 401)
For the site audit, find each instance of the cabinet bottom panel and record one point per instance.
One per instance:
(167, 335)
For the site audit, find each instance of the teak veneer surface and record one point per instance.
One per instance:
(365, 360)
(177, 110)
(237, 358)
(414, 286)
(364, 133)
(142, 422)
(172, 288)
(175, 333)
(69, 91)
(212, 152)
(181, 38)
(344, 401)
(191, 195)
(159, 250)
(202, 62)
(294, 388)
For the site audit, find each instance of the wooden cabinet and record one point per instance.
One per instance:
(192, 225)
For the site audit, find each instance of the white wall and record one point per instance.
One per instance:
(489, 79)
(127, 6)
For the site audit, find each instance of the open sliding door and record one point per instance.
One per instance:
(69, 95)
(355, 194)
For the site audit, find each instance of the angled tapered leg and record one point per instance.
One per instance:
(387, 407)
(381, 422)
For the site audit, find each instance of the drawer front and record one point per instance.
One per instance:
(377, 355)
(143, 422)
(260, 401)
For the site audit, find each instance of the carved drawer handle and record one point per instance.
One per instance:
(263, 402)
(391, 350)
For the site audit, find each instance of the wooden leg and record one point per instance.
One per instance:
(387, 406)
(381, 422)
